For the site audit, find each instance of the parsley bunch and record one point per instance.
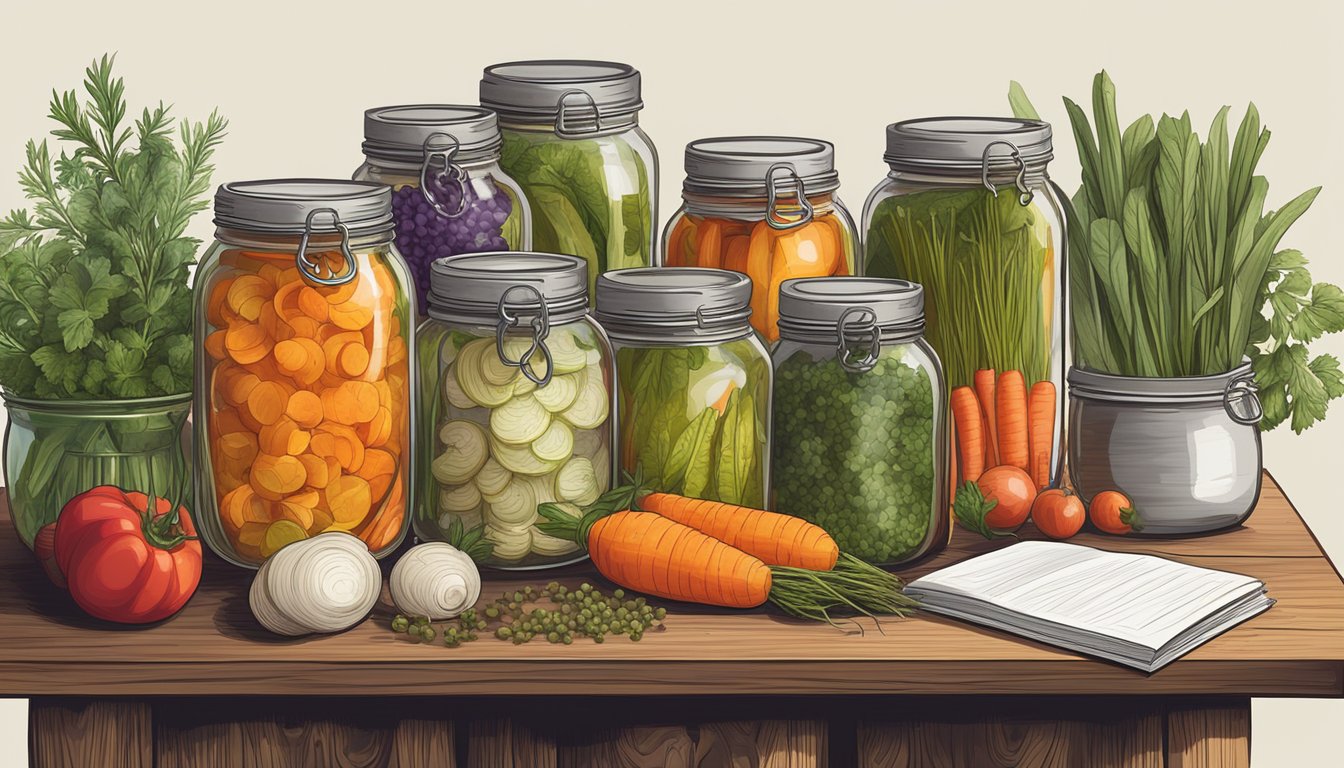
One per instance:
(95, 298)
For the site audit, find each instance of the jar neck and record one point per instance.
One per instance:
(607, 125)
(288, 243)
(1036, 177)
(381, 166)
(753, 208)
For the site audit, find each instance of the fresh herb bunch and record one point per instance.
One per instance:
(1174, 261)
(95, 299)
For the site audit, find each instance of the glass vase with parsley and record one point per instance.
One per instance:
(95, 301)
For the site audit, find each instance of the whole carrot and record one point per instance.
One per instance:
(1011, 406)
(984, 389)
(774, 538)
(1041, 430)
(969, 423)
(649, 553)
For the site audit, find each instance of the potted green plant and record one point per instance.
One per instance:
(95, 302)
(1190, 325)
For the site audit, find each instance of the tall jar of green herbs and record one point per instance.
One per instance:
(572, 141)
(694, 381)
(969, 212)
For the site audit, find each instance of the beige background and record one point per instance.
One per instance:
(293, 78)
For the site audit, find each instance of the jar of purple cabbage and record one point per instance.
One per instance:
(449, 195)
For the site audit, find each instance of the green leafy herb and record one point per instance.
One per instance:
(1175, 261)
(95, 301)
(971, 507)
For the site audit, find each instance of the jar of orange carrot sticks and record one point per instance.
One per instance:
(303, 404)
(765, 206)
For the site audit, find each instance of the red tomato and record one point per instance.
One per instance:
(122, 563)
(1014, 491)
(1112, 512)
(1058, 513)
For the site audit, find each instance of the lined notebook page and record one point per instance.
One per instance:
(1139, 599)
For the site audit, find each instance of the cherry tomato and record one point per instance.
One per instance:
(123, 563)
(1058, 513)
(1113, 512)
(1014, 491)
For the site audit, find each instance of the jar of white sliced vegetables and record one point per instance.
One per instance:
(516, 383)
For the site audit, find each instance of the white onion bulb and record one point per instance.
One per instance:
(436, 581)
(320, 585)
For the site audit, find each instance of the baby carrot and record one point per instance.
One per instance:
(1041, 430)
(984, 389)
(774, 538)
(969, 423)
(1011, 402)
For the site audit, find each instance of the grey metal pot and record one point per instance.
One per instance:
(1185, 450)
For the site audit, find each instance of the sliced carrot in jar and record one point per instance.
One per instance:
(238, 447)
(305, 408)
(274, 477)
(354, 360)
(266, 402)
(316, 468)
(225, 420)
(298, 509)
(275, 438)
(313, 304)
(214, 345)
(376, 432)
(676, 253)
(246, 343)
(758, 269)
(709, 244)
(279, 534)
(249, 539)
(350, 315)
(304, 326)
(247, 294)
(348, 500)
(218, 300)
(735, 250)
(239, 386)
(270, 273)
(241, 506)
(290, 356)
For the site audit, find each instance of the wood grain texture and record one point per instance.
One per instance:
(417, 743)
(1209, 737)
(273, 744)
(1132, 742)
(763, 744)
(506, 743)
(666, 746)
(214, 647)
(76, 734)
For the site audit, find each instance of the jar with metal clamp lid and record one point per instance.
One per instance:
(572, 140)
(860, 417)
(695, 382)
(969, 212)
(449, 195)
(765, 206)
(516, 404)
(303, 406)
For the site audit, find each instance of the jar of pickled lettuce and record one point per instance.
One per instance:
(765, 206)
(694, 382)
(303, 405)
(449, 195)
(516, 391)
(572, 140)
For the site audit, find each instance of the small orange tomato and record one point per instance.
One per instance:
(1014, 491)
(1113, 512)
(1058, 513)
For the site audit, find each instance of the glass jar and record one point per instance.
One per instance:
(694, 378)
(449, 195)
(572, 140)
(58, 449)
(516, 389)
(969, 212)
(303, 404)
(764, 206)
(860, 417)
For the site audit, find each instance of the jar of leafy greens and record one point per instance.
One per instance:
(969, 212)
(572, 140)
(694, 382)
(860, 417)
(516, 383)
(303, 410)
(765, 206)
(449, 195)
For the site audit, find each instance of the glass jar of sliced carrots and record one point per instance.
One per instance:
(694, 380)
(303, 403)
(969, 212)
(516, 385)
(860, 417)
(764, 206)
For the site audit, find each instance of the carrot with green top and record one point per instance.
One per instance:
(984, 389)
(773, 538)
(969, 423)
(1011, 412)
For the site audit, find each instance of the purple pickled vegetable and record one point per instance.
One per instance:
(424, 234)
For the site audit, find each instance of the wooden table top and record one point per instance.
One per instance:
(214, 647)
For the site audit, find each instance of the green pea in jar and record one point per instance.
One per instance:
(860, 417)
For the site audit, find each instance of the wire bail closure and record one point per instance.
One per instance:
(567, 110)
(541, 328)
(843, 336)
(1239, 391)
(773, 216)
(322, 274)
(1024, 193)
(443, 146)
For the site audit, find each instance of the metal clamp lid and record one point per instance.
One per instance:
(322, 274)
(541, 328)
(1242, 393)
(674, 305)
(475, 287)
(866, 323)
(822, 309)
(773, 216)
(581, 98)
(445, 150)
(1024, 193)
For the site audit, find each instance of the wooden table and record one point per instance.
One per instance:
(716, 688)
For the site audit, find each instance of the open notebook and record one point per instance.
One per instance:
(1138, 610)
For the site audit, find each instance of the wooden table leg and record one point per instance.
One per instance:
(73, 733)
(1209, 734)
